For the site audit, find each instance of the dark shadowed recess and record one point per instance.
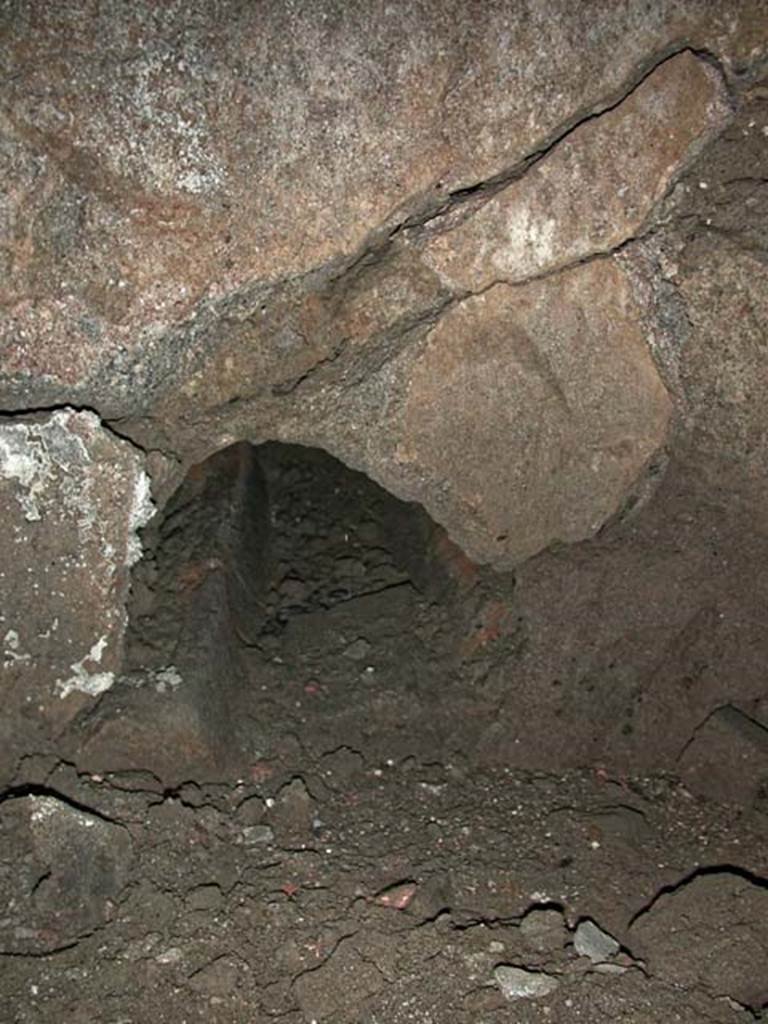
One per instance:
(283, 594)
(286, 603)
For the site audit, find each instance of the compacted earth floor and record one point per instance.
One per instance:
(333, 888)
(368, 865)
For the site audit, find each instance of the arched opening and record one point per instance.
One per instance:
(284, 596)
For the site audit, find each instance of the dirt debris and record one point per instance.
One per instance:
(484, 878)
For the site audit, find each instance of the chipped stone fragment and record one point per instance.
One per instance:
(544, 929)
(69, 868)
(518, 983)
(591, 941)
(254, 835)
(397, 897)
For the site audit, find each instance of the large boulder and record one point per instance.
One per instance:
(73, 497)
(524, 418)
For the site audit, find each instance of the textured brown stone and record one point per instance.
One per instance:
(202, 204)
(724, 365)
(528, 414)
(72, 497)
(70, 869)
(709, 933)
(223, 222)
(181, 152)
(727, 758)
(595, 189)
(702, 285)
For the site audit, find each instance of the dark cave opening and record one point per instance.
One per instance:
(284, 597)
(288, 603)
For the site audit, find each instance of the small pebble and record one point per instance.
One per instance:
(358, 649)
(254, 834)
(517, 983)
(398, 897)
(593, 942)
(169, 956)
(544, 930)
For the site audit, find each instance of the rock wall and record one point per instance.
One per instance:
(509, 266)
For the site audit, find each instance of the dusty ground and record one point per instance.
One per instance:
(371, 861)
(235, 911)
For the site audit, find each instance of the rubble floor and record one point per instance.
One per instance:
(390, 892)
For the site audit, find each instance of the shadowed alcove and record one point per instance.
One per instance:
(283, 594)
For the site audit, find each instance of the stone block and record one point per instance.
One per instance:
(62, 872)
(527, 416)
(73, 497)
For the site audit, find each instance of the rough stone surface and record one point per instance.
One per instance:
(297, 933)
(595, 189)
(723, 368)
(69, 867)
(727, 758)
(518, 983)
(232, 222)
(703, 287)
(647, 629)
(130, 159)
(219, 978)
(339, 985)
(709, 932)
(544, 930)
(527, 415)
(316, 357)
(192, 606)
(147, 278)
(591, 941)
(73, 497)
